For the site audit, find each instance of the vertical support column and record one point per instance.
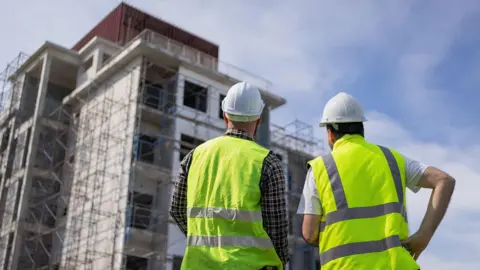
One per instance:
(263, 130)
(32, 148)
(98, 61)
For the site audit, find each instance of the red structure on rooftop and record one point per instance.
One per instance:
(125, 22)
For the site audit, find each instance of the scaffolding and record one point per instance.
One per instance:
(84, 210)
(299, 144)
(297, 136)
(9, 82)
(11, 154)
(103, 167)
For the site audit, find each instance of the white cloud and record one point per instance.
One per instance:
(429, 262)
(293, 44)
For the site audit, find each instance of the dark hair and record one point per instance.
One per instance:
(346, 128)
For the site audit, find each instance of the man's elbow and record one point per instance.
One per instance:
(447, 182)
(310, 238)
(434, 178)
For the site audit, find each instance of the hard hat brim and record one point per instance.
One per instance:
(242, 118)
(325, 123)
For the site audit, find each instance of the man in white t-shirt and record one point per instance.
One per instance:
(353, 200)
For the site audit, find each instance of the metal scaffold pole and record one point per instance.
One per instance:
(299, 144)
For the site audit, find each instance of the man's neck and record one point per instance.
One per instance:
(242, 129)
(239, 130)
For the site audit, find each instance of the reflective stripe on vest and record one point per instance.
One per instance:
(344, 213)
(226, 241)
(360, 248)
(229, 214)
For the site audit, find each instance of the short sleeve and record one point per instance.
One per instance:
(310, 200)
(414, 172)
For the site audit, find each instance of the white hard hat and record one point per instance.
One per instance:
(342, 108)
(243, 103)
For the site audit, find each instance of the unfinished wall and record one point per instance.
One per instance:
(105, 128)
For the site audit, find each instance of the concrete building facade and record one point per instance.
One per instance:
(91, 142)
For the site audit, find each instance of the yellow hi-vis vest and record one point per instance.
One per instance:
(362, 191)
(225, 228)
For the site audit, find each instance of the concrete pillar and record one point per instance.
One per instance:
(263, 130)
(32, 148)
(98, 59)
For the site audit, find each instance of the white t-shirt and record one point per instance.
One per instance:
(310, 201)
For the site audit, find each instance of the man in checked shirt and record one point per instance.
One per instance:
(229, 199)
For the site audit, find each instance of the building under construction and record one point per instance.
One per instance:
(92, 138)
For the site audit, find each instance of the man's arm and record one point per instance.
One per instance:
(274, 205)
(442, 186)
(178, 207)
(311, 208)
(311, 229)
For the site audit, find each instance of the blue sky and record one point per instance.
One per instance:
(414, 65)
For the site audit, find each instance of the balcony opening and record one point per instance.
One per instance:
(29, 94)
(5, 138)
(9, 250)
(187, 143)
(17, 199)
(51, 152)
(142, 207)
(9, 168)
(26, 146)
(3, 203)
(220, 112)
(145, 148)
(195, 96)
(177, 262)
(136, 263)
(53, 100)
(88, 63)
(153, 95)
(105, 58)
(33, 255)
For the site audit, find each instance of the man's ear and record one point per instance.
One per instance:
(259, 120)
(225, 119)
(330, 136)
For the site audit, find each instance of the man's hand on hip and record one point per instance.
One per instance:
(417, 243)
